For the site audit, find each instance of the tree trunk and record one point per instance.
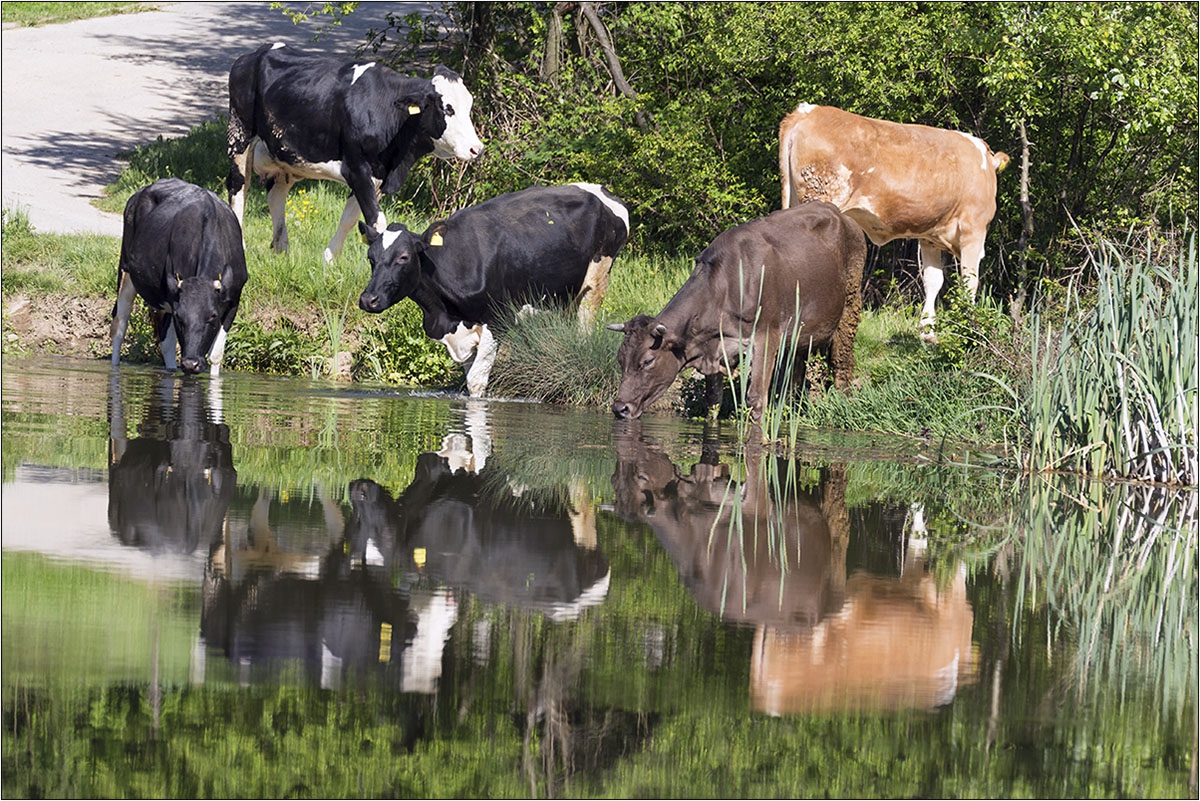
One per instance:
(1017, 303)
(552, 63)
(588, 10)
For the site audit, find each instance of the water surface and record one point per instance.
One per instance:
(264, 587)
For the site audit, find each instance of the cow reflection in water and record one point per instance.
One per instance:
(771, 554)
(170, 487)
(334, 604)
(470, 531)
(294, 585)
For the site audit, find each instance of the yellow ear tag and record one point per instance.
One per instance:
(436, 240)
(364, 239)
(414, 109)
(419, 556)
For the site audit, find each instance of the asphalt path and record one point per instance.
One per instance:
(75, 95)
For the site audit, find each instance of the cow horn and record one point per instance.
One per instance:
(615, 326)
(217, 285)
(660, 330)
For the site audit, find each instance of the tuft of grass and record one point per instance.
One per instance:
(38, 263)
(547, 355)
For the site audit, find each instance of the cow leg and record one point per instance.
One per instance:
(972, 256)
(595, 286)
(217, 352)
(167, 340)
(481, 368)
(714, 390)
(239, 146)
(126, 294)
(240, 167)
(762, 367)
(933, 278)
(350, 216)
(365, 192)
(277, 192)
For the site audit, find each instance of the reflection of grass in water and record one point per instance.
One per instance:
(70, 624)
(1118, 567)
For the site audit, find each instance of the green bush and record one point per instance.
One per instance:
(393, 349)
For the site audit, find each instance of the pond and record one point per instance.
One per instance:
(253, 586)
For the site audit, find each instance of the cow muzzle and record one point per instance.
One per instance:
(623, 410)
(370, 302)
(193, 364)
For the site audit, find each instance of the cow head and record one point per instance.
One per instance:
(650, 359)
(459, 141)
(198, 305)
(395, 257)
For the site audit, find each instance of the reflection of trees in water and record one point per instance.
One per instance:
(562, 735)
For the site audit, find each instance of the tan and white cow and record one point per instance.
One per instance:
(896, 181)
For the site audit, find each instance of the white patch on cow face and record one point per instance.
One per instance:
(460, 140)
(278, 45)
(613, 206)
(462, 341)
(980, 146)
(390, 237)
(359, 70)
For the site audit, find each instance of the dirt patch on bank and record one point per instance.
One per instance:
(68, 325)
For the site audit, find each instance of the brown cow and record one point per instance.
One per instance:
(752, 287)
(897, 182)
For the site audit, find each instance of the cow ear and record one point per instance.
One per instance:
(433, 235)
(410, 103)
(225, 281)
(369, 234)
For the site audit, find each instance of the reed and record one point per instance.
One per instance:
(1113, 392)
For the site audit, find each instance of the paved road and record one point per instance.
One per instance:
(76, 94)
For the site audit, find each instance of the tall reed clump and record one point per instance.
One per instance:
(1114, 392)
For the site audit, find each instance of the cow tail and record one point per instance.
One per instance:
(785, 165)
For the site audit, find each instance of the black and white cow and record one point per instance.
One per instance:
(544, 243)
(181, 250)
(358, 123)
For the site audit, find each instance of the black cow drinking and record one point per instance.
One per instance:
(181, 250)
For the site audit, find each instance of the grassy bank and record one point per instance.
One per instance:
(987, 381)
(32, 14)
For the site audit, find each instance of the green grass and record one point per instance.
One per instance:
(33, 14)
(38, 263)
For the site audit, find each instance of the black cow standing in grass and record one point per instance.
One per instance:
(794, 275)
(542, 244)
(181, 250)
(357, 123)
